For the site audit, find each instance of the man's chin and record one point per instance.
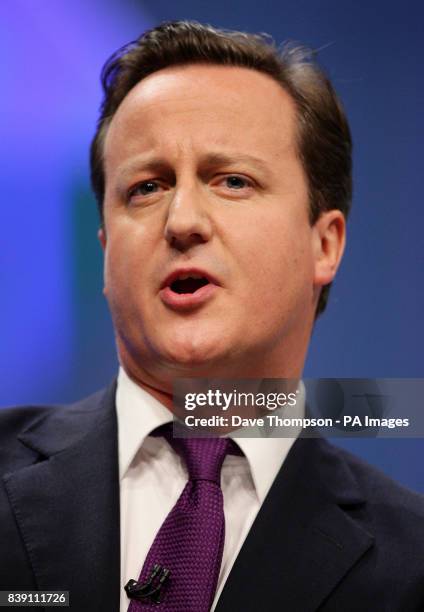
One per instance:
(191, 342)
(193, 358)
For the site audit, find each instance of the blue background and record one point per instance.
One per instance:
(56, 336)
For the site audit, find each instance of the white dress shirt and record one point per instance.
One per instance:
(152, 477)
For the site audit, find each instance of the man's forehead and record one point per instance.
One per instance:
(193, 80)
(204, 102)
(237, 91)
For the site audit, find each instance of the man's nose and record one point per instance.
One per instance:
(188, 222)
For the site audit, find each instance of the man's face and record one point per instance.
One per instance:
(210, 260)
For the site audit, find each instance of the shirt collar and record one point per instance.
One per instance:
(139, 413)
(266, 455)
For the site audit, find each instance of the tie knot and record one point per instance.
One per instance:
(203, 456)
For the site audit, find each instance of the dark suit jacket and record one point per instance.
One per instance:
(333, 534)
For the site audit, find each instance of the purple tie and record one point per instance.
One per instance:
(181, 569)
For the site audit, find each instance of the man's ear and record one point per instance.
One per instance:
(329, 238)
(101, 235)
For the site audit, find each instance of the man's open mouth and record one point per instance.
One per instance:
(189, 284)
(185, 289)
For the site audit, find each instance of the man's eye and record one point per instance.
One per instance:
(145, 188)
(236, 182)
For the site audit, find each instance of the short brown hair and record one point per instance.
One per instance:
(324, 141)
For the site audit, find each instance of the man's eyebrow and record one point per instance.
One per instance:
(223, 159)
(142, 162)
(209, 160)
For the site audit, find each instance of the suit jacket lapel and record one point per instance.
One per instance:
(66, 503)
(304, 539)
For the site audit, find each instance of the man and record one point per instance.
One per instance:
(222, 173)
